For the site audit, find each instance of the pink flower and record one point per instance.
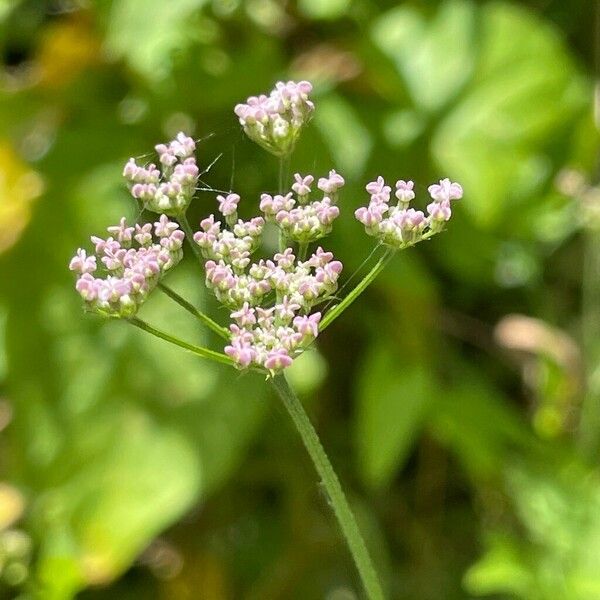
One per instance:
(369, 217)
(87, 287)
(143, 234)
(378, 187)
(286, 309)
(277, 359)
(404, 191)
(228, 204)
(245, 316)
(82, 263)
(121, 232)
(445, 190)
(164, 227)
(308, 326)
(331, 184)
(410, 219)
(440, 211)
(302, 184)
(242, 353)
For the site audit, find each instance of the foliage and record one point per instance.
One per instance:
(145, 473)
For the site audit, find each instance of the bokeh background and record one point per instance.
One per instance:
(459, 398)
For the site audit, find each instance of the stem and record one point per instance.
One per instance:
(203, 352)
(189, 234)
(338, 500)
(338, 309)
(302, 250)
(284, 162)
(204, 318)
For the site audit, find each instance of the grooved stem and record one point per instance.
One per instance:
(199, 350)
(204, 318)
(331, 483)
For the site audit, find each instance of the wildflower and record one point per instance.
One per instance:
(168, 190)
(300, 219)
(269, 333)
(399, 226)
(330, 185)
(275, 121)
(404, 192)
(228, 204)
(271, 338)
(133, 264)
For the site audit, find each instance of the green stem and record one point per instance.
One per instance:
(338, 309)
(204, 318)
(189, 234)
(284, 162)
(302, 250)
(203, 352)
(338, 500)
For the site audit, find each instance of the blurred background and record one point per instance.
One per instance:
(459, 398)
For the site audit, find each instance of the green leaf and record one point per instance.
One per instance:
(435, 58)
(349, 141)
(136, 434)
(503, 569)
(146, 35)
(522, 95)
(323, 9)
(144, 478)
(393, 399)
(557, 557)
(478, 423)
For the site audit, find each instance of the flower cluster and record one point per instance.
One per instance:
(272, 337)
(170, 189)
(271, 299)
(132, 262)
(274, 121)
(300, 219)
(400, 226)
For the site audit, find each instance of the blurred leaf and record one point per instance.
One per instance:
(402, 127)
(323, 9)
(558, 503)
(502, 570)
(145, 478)
(495, 141)
(349, 142)
(478, 423)
(307, 372)
(435, 58)
(123, 457)
(393, 397)
(147, 34)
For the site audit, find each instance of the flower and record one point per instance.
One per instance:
(302, 184)
(300, 219)
(228, 204)
(404, 191)
(399, 226)
(331, 184)
(168, 190)
(275, 121)
(133, 265)
(445, 190)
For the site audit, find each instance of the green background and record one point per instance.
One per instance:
(458, 398)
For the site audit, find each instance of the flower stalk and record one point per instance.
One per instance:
(271, 301)
(202, 317)
(360, 287)
(167, 337)
(331, 483)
